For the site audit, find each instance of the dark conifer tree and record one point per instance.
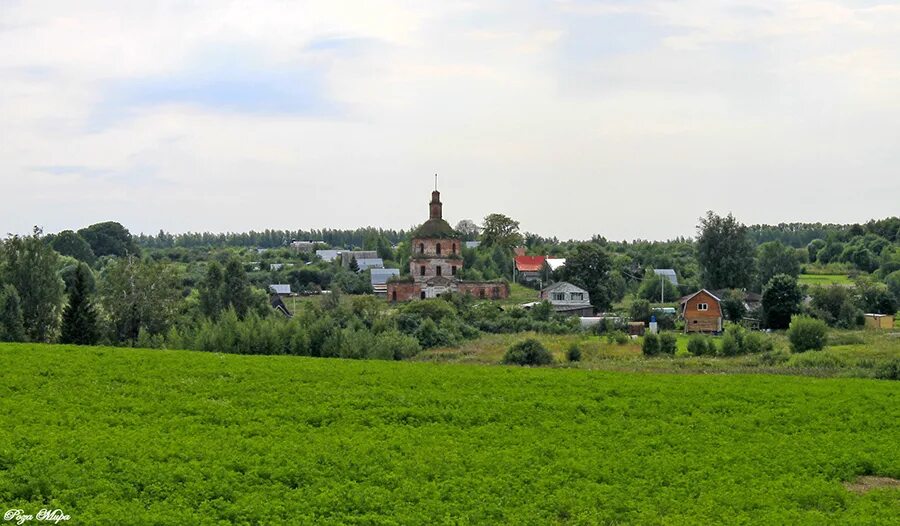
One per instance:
(79, 321)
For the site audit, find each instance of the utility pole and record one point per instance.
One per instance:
(662, 288)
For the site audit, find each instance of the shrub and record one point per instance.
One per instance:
(774, 357)
(756, 342)
(574, 353)
(889, 370)
(618, 337)
(528, 352)
(730, 346)
(807, 334)
(816, 361)
(668, 343)
(650, 346)
(701, 345)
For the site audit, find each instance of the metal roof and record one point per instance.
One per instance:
(380, 276)
(530, 263)
(280, 288)
(328, 255)
(367, 263)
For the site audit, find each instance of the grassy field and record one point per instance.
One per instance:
(849, 354)
(129, 436)
(824, 279)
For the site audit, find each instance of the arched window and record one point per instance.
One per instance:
(437, 248)
(422, 270)
(453, 270)
(394, 296)
(422, 295)
(437, 270)
(421, 248)
(454, 248)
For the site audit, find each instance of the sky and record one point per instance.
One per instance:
(622, 118)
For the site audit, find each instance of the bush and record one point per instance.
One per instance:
(774, 357)
(668, 343)
(816, 361)
(755, 343)
(701, 345)
(650, 346)
(528, 352)
(807, 334)
(574, 353)
(730, 345)
(618, 337)
(889, 370)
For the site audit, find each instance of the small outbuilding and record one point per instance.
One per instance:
(879, 321)
(702, 312)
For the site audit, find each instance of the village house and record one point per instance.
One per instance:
(568, 299)
(436, 262)
(702, 312)
(529, 268)
(364, 264)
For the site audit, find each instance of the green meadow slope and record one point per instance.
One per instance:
(125, 436)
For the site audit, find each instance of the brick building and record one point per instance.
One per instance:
(436, 261)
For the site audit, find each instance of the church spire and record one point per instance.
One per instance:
(435, 207)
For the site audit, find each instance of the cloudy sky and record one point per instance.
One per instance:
(624, 118)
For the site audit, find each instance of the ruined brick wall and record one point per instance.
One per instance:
(490, 290)
(403, 291)
(425, 253)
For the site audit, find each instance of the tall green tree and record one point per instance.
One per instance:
(69, 243)
(773, 258)
(500, 230)
(236, 293)
(12, 327)
(79, 320)
(109, 239)
(210, 289)
(589, 268)
(780, 300)
(139, 295)
(30, 265)
(725, 252)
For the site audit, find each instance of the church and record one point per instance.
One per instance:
(436, 261)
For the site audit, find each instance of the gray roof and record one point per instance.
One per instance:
(668, 273)
(563, 285)
(367, 263)
(280, 289)
(328, 255)
(380, 276)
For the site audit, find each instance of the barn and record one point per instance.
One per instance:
(702, 312)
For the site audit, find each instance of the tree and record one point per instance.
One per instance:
(780, 300)
(640, 311)
(733, 307)
(874, 297)
(354, 265)
(210, 290)
(468, 229)
(139, 295)
(500, 230)
(813, 249)
(12, 328)
(109, 239)
(79, 320)
(69, 243)
(775, 258)
(807, 334)
(653, 285)
(589, 268)
(725, 252)
(835, 306)
(236, 293)
(30, 267)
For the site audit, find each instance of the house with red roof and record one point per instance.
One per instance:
(529, 268)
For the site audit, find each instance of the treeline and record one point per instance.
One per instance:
(799, 235)
(359, 237)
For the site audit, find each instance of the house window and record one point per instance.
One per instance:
(703, 306)
(453, 270)
(422, 295)
(422, 270)
(437, 270)
(558, 296)
(421, 248)
(437, 248)
(577, 296)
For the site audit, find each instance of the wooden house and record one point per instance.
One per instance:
(702, 312)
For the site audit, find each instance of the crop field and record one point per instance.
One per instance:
(130, 436)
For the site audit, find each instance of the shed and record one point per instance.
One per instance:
(879, 321)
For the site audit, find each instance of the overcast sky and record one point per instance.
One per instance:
(624, 118)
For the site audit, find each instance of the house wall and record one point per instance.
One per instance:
(484, 289)
(447, 247)
(879, 322)
(403, 291)
(702, 321)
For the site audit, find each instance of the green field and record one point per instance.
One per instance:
(824, 279)
(127, 436)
